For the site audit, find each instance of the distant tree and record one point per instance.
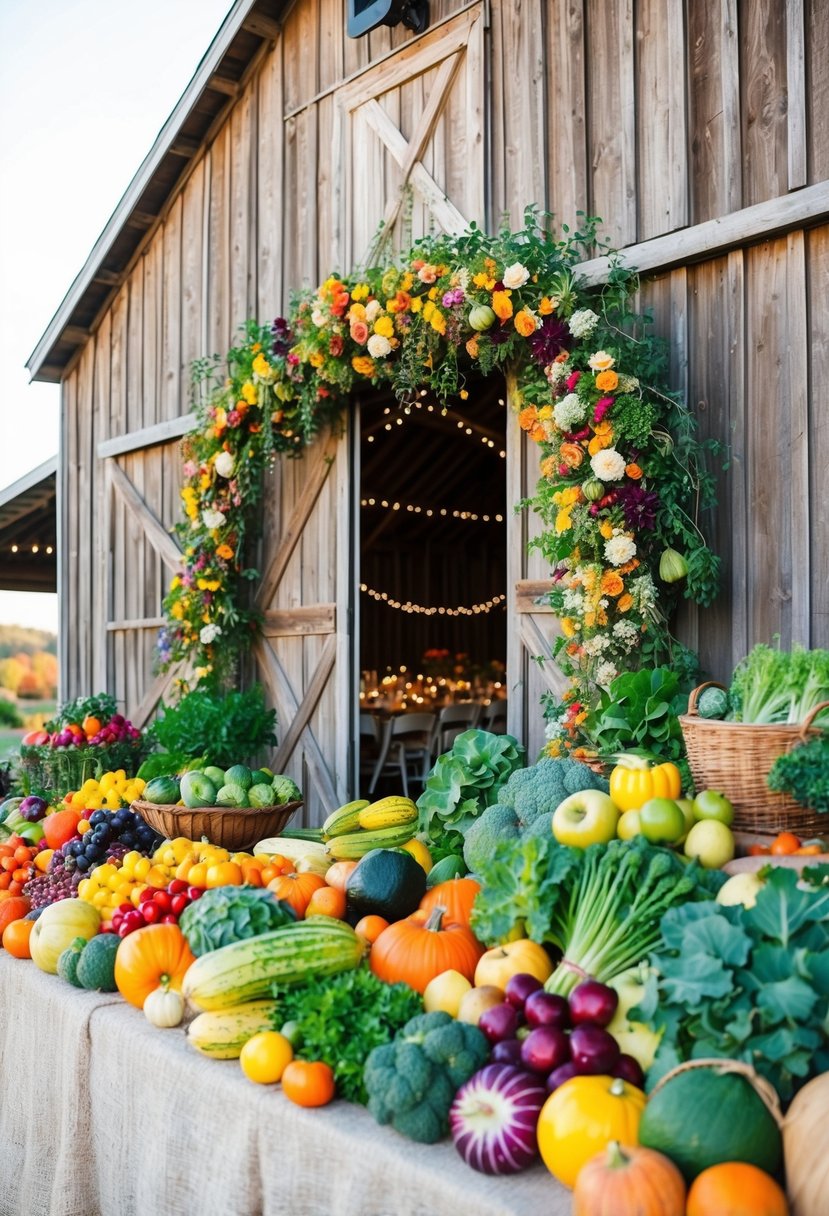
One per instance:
(12, 672)
(45, 667)
(31, 687)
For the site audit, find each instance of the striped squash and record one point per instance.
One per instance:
(223, 1033)
(291, 954)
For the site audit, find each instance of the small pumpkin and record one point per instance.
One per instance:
(481, 317)
(593, 489)
(296, 890)
(457, 896)
(151, 958)
(413, 951)
(806, 1147)
(164, 1007)
(628, 1180)
(739, 1189)
(57, 927)
(581, 1117)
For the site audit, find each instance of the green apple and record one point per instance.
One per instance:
(711, 843)
(711, 804)
(587, 817)
(629, 825)
(662, 821)
(686, 805)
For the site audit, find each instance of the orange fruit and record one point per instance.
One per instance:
(60, 827)
(265, 1057)
(337, 875)
(91, 725)
(16, 938)
(308, 1083)
(223, 874)
(370, 927)
(327, 902)
(785, 843)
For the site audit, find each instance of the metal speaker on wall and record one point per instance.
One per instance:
(366, 15)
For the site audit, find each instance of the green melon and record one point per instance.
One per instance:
(96, 965)
(197, 790)
(388, 882)
(446, 869)
(216, 775)
(706, 1116)
(239, 774)
(164, 791)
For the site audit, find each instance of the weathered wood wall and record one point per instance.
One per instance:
(657, 115)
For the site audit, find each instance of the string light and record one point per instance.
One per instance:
(463, 426)
(430, 512)
(35, 548)
(422, 610)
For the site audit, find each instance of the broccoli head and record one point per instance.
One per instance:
(489, 831)
(536, 790)
(411, 1082)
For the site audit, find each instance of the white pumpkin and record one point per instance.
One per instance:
(164, 1008)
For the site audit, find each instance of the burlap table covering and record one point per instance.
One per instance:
(103, 1115)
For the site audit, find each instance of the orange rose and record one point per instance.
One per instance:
(629, 566)
(363, 365)
(528, 418)
(625, 602)
(224, 551)
(472, 348)
(572, 454)
(633, 471)
(606, 382)
(525, 323)
(611, 584)
(538, 434)
(359, 332)
(502, 305)
(546, 306)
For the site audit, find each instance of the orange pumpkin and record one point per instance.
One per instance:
(370, 927)
(456, 896)
(296, 889)
(154, 957)
(420, 947)
(13, 908)
(737, 1188)
(628, 1180)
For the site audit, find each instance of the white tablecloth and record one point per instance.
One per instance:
(104, 1115)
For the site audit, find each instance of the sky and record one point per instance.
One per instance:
(85, 86)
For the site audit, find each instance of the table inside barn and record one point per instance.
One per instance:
(105, 1115)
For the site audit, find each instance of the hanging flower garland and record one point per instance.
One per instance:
(622, 476)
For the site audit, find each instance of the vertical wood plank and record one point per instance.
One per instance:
(611, 106)
(566, 140)
(662, 174)
(192, 245)
(269, 188)
(817, 278)
(796, 93)
(100, 540)
(763, 100)
(796, 353)
(172, 401)
(241, 253)
(738, 517)
(118, 406)
(522, 34)
(220, 324)
(134, 351)
(67, 538)
(84, 511)
(817, 92)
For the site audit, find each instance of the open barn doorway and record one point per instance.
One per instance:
(432, 579)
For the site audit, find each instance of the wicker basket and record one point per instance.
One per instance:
(736, 757)
(233, 828)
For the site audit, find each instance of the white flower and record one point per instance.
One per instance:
(556, 372)
(619, 549)
(606, 673)
(515, 276)
(212, 519)
(378, 346)
(627, 384)
(608, 465)
(372, 309)
(569, 413)
(601, 361)
(209, 633)
(318, 317)
(224, 464)
(583, 322)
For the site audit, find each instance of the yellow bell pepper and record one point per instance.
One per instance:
(635, 779)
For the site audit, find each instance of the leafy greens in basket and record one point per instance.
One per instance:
(773, 685)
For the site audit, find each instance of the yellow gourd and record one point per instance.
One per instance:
(581, 1117)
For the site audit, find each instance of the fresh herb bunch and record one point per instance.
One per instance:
(774, 685)
(204, 723)
(101, 705)
(598, 907)
(463, 782)
(803, 773)
(749, 984)
(342, 1018)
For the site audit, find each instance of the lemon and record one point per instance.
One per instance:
(265, 1057)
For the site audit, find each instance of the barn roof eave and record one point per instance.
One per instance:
(105, 268)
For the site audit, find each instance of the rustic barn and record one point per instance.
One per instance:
(697, 129)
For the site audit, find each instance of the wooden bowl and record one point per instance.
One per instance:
(234, 828)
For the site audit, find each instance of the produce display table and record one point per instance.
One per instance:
(104, 1115)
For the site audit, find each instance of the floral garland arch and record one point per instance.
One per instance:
(621, 471)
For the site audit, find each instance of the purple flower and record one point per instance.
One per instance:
(281, 337)
(638, 506)
(549, 340)
(500, 334)
(455, 296)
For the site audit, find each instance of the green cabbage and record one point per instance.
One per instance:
(225, 915)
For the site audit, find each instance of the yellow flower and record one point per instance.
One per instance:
(356, 312)
(433, 293)
(606, 382)
(563, 521)
(208, 584)
(316, 359)
(428, 309)
(249, 393)
(384, 326)
(570, 495)
(545, 412)
(204, 481)
(611, 583)
(175, 582)
(472, 348)
(224, 550)
(463, 394)
(201, 672)
(625, 602)
(257, 346)
(363, 365)
(601, 361)
(360, 292)
(177, 610)
(261, 366)
(406, 282)
(548, 466)
(568, 627)
(220, 419)
(502, 305)
(438, 321)
(417, 303)
(606, 529)
(589, 620)
(546, 306)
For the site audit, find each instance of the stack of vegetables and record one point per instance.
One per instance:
(86, 736)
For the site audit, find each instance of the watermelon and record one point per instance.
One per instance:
(705, 1116)
(163, 791)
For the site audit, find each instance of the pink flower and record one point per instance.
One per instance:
(189, 469)
(234, 418)
(359, 332)
(563, 469)
(602, 406)
(293, 359)
(572, 380)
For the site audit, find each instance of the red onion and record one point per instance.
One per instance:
(493, 1119)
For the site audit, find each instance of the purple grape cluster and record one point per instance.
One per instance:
(123, 830)
(48, 888)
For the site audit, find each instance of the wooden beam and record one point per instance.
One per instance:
(528, 591)
(299, 516)
(538, 647)
(182, 146)
(262, 26)
(141, 714)
(279, 686)
(714, 237)
(145, 622)
(298, 622)
(147, 437)
(220, 84)
(75, 334)
(309, 703)
(140, 219)
(147, 520)
(109, 278)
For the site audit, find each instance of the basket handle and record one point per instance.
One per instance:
(810, 717)
(693, 712)
(764, 1089)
